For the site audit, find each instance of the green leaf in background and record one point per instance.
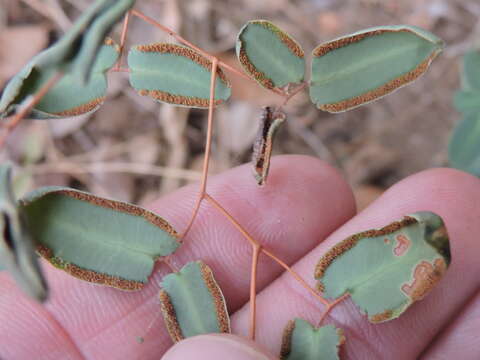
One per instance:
(17, 248)
(464, 145)
(269, 55)
(263, 145)
(69, 97)
(362, 67)
(388, 269)
(175, 74)
(95, 239)
(302, 341)
(75, 55)
(467, 101)
(471, 70)
(193, 303)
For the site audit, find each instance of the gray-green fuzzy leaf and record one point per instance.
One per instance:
(95, 239)
(388, 269)
(176, 75)
(73, 55)
(464, 145)
(302, 341)
(192, 303)
(17, 248)
(68, 97)
(362, 67)
(269, 55)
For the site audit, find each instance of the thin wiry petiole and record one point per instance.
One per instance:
(123, 38)
(25, 109)
(208, 146)
(253, 290)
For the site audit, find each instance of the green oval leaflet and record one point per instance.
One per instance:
(176, 75)
(17, 248)
(359, 68)
(192, 303)
(302, 341)
(95, 239)
(68, 97)
(388, 269)
(464, 145)
(269, 55)
(75, 55)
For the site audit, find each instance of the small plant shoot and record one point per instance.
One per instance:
(117, 244)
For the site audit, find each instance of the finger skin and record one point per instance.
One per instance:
(460, 337)
(304, 201)
(214, 346)
(453, 195)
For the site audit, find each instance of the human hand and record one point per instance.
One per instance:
(304, 202)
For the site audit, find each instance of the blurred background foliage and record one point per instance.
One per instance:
(134, 149)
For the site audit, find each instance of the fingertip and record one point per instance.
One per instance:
(216, 346)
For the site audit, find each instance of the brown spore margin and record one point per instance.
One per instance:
(348, 243)
(179, 50)
(381, 317)
(82, 109)
(259, 76)
(290, 43)
(380, 91)
(117, 206)
(425, 277)
(88, 275)
(170, 317)
(218, 299)
(286, 346)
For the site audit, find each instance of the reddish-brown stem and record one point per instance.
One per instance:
(189, 44)
(288, 96)
(123, 37)
(255, 243)
(127, 70)
(296, 277)
(25, 109)
(166, 261)
(253, 290)
(208, 146)
(330, 307)
(235, 223)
